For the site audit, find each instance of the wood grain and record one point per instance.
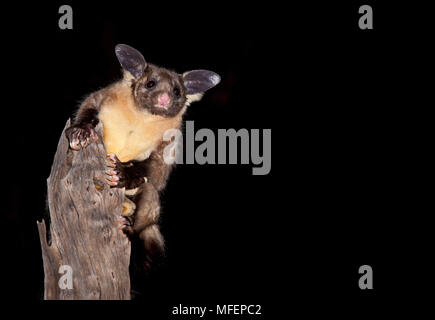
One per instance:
(83, 212)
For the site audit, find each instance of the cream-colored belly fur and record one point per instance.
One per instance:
(130, 133)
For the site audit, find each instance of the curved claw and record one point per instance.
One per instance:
(112, 178)
(94, 136)
(75, 144)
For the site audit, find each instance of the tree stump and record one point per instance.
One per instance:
(84, 236)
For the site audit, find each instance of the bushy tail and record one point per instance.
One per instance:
(154, 245)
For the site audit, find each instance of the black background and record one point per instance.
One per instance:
(338, 105)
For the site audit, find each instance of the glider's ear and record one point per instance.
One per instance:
(199, 81)
(130, 59)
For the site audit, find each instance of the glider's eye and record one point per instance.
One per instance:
(150, 84)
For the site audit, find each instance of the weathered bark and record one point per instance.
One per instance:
(83, 212)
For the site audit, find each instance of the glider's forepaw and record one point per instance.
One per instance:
(125, 225)
(114, 174)
(79, 136)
